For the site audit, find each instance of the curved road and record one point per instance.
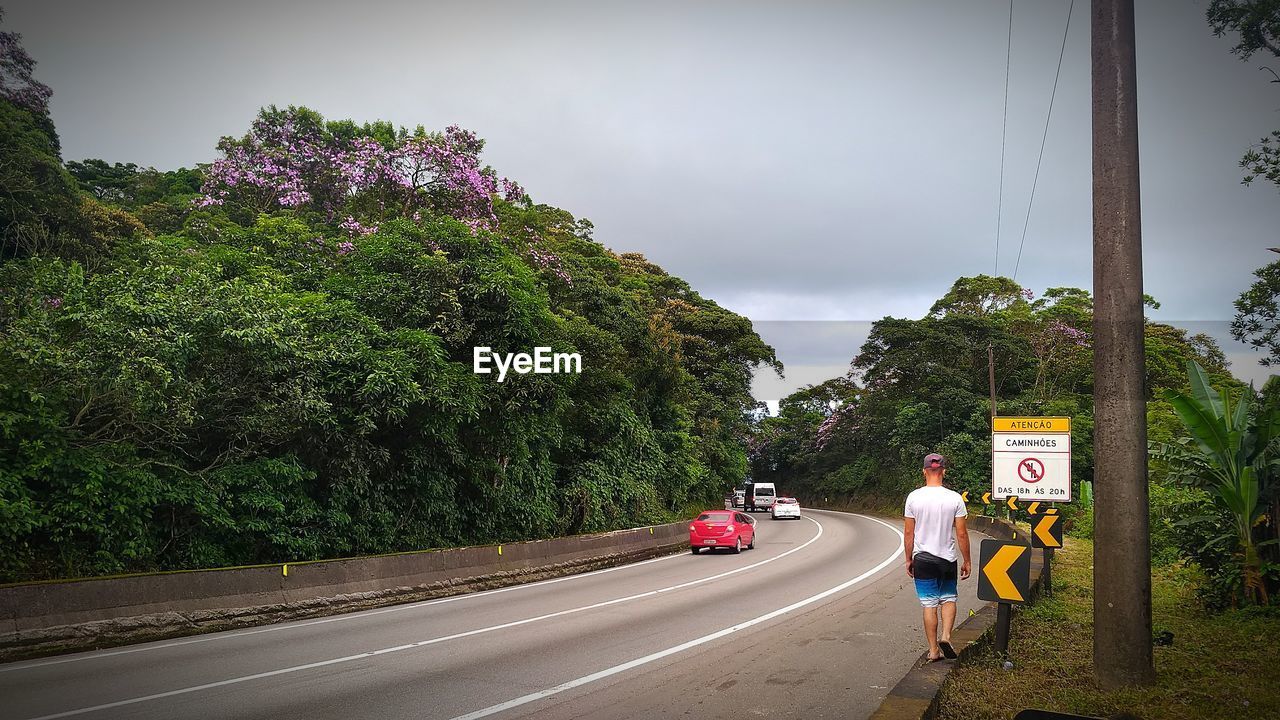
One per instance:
(817, 621)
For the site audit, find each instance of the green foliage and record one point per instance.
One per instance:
(160, 200)
(1218, 665)
(112, 183)
(980, 295)
(1257, 309)
(1256, 24)
(38, 199)
(186, 387)
(1262, 160)
(1186, 527)
(1082, 523)
(1231, 454)
(922, 386)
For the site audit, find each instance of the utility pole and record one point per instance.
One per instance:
(991, 379)
(991, 383)
(1122, 562)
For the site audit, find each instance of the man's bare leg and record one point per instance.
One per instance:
(931, 631)
(948, 621)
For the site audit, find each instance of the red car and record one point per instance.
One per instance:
(722, 529)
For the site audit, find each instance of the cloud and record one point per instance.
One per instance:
(795, 161)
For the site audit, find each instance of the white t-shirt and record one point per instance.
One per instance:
(935, 509)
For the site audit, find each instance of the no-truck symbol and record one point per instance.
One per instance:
(1031, 470)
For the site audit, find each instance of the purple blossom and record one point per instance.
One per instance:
(842, 417)
(354, 228)
(512, 191)
(17, 84)
(1073, 335)
(1028, 294)
(345, 247)
(550, 261)
(289, 159)
(54, 302)
(294, 198)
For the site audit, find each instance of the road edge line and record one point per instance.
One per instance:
(652, 657)
(216, 635)
(423, 643)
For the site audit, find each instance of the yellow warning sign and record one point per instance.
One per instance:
(1031, 458)
(1004, 571)
(1030, 424)
(1046, 531)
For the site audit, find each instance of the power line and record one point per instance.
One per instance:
(1004, 127)
(1049, 116)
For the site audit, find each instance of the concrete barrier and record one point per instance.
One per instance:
(59, 616)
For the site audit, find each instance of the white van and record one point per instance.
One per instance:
(760, 496)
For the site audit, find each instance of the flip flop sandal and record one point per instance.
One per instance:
(947, 651)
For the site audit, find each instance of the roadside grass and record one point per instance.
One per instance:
(1219, 665)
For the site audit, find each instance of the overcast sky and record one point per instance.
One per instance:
(795, 161)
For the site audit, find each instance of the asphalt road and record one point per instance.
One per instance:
(818, 621)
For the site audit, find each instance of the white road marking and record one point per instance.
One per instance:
(541, 694)
(424, 643)
(229, 635)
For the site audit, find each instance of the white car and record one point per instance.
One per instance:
(786, 507)
(759, 496)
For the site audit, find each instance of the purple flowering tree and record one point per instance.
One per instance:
(17, 85)
(1055, 344)
(291, 158)
(356, 178)
(844, 418)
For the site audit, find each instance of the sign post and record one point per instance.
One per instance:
(1004, 577)
(1046, 532)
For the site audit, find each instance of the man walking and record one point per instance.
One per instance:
(934, 529)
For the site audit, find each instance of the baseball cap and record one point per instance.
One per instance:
(934, 460)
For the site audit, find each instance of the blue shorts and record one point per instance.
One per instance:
(935, 579)
(935, 591)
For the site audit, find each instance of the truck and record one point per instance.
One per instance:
(759, 496)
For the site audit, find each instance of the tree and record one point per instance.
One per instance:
(17, 82)
(1257, 22)
(1257, 25)
(980, 295)
(1231, 454)
(924, 388)
(1257, 311)
(293, 158)
(113, 183)
(38, 199)
(38, 203)
(270, 377)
